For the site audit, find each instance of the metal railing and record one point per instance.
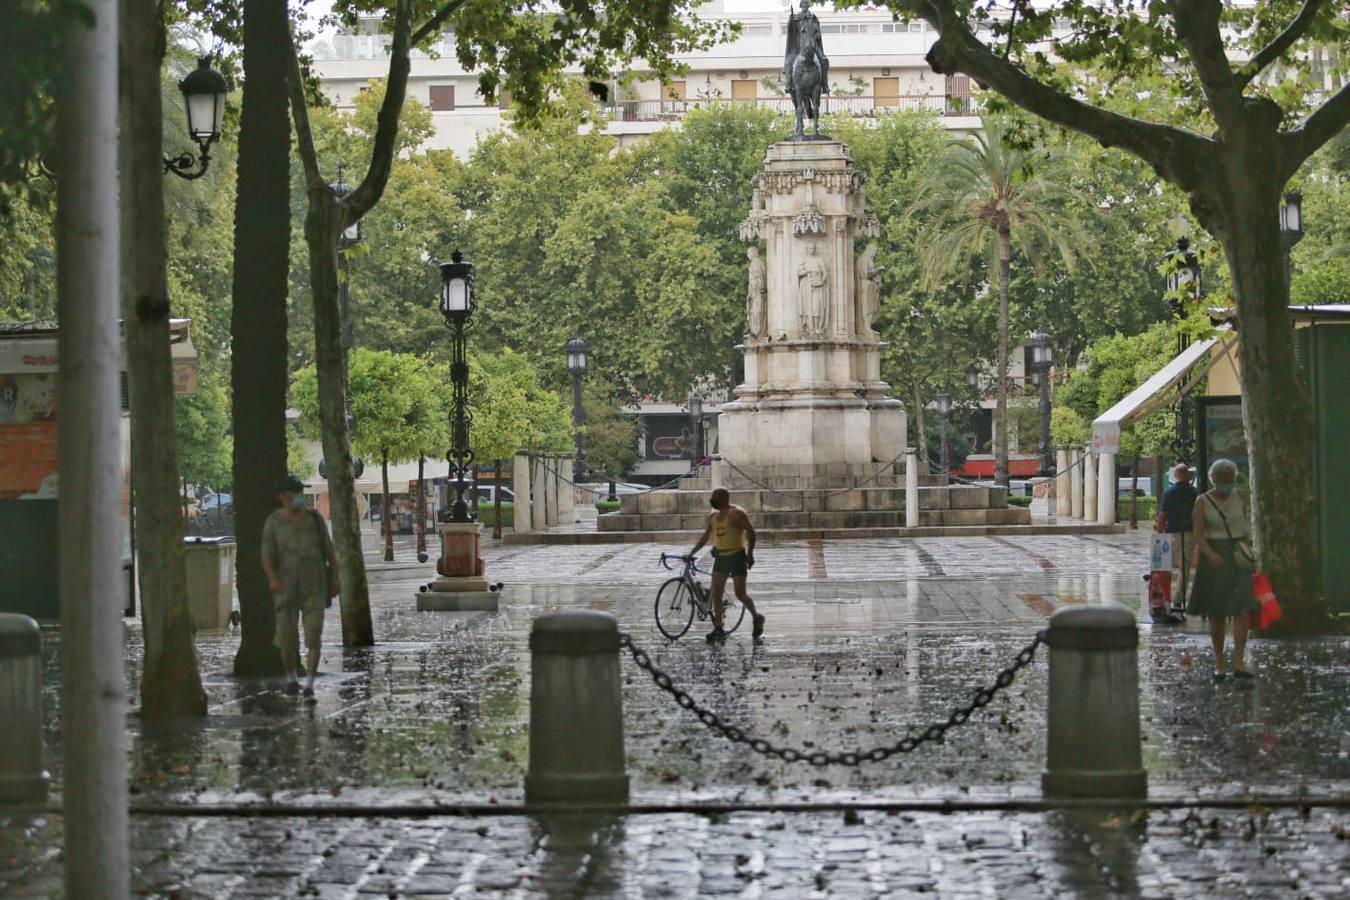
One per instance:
(673, 109)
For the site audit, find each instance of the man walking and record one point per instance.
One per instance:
(1174, 517)
(733, 537)
(297, 555)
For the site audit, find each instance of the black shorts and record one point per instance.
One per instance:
(730, 564)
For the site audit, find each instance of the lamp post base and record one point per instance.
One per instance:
(460, 601)
(462, 584)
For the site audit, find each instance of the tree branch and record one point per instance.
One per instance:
(368, 192)
(436, 22)
(304, 135)
(1282, 42)
(1197, 24)
(1323, 125)
(1172, 152)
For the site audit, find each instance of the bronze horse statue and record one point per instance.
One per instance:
(806, 69)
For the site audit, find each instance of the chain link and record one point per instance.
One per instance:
(935, 732)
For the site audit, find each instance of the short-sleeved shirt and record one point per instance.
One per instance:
(1179, 502)
(294, 551)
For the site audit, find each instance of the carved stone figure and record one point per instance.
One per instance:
(813, 307)
(868, 288)
(755, 304)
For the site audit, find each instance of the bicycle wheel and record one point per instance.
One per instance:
(674, 608)
(733, 611)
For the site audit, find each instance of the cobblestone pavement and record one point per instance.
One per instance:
(866, 640)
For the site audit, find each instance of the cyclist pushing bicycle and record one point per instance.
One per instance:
(733, 539)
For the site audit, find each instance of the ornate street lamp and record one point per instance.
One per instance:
(576, 367)
(1042, 360)
(1291, 230)
(204, 103)
(944, 408)
(457, 306)
(1184, 285)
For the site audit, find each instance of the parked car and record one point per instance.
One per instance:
(209, 502)
(487, 494)
(1126, 484)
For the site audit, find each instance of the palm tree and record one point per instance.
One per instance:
(993, 198)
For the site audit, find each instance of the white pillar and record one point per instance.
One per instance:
(1089, 486)
(567, 493)
(1106, 489)
(552, 462)
(911, 488)
(92, 585)
(718, 473)
(1076, 482)
(538, 493)
(520, 485)
(1063, 499)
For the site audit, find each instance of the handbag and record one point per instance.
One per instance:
(334, 584)
(1267, 604)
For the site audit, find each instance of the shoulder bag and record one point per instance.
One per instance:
(1267, 603)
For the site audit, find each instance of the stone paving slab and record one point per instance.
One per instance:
(1083, 853)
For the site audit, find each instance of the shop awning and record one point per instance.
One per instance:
(1163, 388)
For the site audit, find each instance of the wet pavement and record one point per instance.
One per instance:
(866, 641)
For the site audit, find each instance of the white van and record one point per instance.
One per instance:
(487, 494)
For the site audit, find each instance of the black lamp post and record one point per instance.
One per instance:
(1184, 285)
(1291, 230)
(457, 306)
(204, 102)
(696, 429)
(1042, 359)
(576, 367)
(944, 408)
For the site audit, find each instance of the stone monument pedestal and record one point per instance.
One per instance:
(813, 394)
(462, 584)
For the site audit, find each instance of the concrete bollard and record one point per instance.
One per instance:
(576, 710)
(911, 488)
(1093, 747)
(21, 774)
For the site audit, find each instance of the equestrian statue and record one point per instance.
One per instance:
(806, 69)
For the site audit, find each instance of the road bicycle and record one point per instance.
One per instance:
(682, 597)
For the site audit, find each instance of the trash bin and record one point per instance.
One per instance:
(210, 581)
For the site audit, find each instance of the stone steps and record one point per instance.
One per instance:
(826, 519)
(873, 499)
(791, 535)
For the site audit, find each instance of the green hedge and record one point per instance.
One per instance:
(1019, 500)
(1147, 509)
(487, 514)
(605, 506)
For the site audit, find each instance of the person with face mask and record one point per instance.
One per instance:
(297, 556)
(1223, 578)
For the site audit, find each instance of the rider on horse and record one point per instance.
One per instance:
(804, 56)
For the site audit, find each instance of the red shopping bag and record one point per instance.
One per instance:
(1265, 597)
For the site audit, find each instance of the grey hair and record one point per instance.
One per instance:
(1221, 466)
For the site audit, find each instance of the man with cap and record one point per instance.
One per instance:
(1174, 517)
(297, 555)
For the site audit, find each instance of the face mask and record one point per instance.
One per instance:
(1223, 489)
(298, 501)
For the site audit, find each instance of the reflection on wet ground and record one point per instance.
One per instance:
(438, 711)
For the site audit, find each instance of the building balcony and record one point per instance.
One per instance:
(674, 109)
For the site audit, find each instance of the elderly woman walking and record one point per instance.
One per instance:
(1223, 579)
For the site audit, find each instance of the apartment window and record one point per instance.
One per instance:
(886, 91)
(756, 29)
(674, 90)
(744, 90)
(916, 27)
(830, 29)
(442, 97)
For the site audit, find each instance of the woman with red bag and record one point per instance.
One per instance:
(1223, 579)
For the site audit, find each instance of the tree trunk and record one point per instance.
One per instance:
(322, 227)
(1276, 408)
(497, 501)
(91, 581)
(171, 686)
(387, 518)
(1001, 409)
(258, 376)
(421, 505)
(921, 426)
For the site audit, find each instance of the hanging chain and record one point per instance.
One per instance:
(983, 697)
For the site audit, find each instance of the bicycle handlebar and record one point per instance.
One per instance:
(667, 557)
